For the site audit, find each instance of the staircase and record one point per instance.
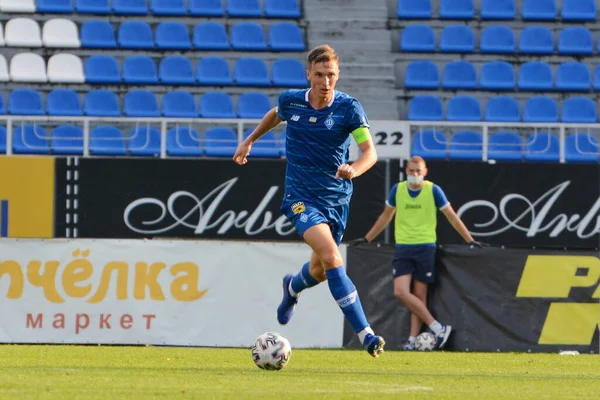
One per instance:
(358, 31)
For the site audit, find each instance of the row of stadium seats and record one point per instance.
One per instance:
(172, 70)
(169, 35)
(141, 141)
(198, 8)
(531, 10)
(498, 39)
(505, 146)
(502, 109)
(136, 103)
(500, 75)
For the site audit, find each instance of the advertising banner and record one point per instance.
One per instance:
(522, 204)
(495, 299)
(197, 293)
(179, 198)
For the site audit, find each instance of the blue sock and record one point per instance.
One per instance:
(344, 292)
(303, 279)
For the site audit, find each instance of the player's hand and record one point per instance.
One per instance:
(241, 153)
(356, 242)
(345, 171)
(479, 245)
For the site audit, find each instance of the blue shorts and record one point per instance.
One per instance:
(303, 216)
(418, 260)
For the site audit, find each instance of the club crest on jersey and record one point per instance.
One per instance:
(298, 207)
(329, 122)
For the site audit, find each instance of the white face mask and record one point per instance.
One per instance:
(414, 180)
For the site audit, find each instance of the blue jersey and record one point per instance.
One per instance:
(317, 143)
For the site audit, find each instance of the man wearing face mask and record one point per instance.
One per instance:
(415, 202)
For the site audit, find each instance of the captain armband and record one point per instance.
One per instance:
(361, 134)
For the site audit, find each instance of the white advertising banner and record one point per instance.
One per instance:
(391, 139)
(198, 293)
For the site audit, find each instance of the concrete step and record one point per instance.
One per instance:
(376, 69)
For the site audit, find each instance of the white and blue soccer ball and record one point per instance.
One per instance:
(271, 351)
(425, 342)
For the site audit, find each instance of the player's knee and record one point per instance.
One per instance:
(401, 294)
(316, 271)
(331, 259)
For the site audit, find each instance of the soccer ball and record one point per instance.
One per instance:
(271, 351)
(425, 341)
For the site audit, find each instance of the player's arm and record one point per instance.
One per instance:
(367, 158)
(384, 219)
(270, 121)
(457, 223)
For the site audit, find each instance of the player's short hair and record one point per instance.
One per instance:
(417, 160)
(322, 53)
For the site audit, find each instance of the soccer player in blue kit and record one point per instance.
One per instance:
(321, 121)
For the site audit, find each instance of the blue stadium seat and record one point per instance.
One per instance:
(429, 144)
(179, 104)
(466, 145)
(210, 36)
(502, 109)
(101, 103)
(183, 141)
(497, 9)
(578, 10)
(497, 75)
(418, 38)
(456, 9)
(581, 147)
(288, 72)
(425, 108)
(575, 40)
(206, 8)
(597, 78)
(542, 147)
(265, 147)
(248, 36)
(220, 142)
(54, 6)
(411, 9)
(540, 109)
(539, 10)
(285, 36)
(457, 39)
(573, 76)
(2, 110)
(97, 34)
(250, 71)
(176, 70)
(25, 102)
(421, 75)
(536, 40)
(107, 140)
(168, 7)
(172, 36)
(67, 140)
(497, 40)
(243, 8)
(253, 105)
(92, 6)
(216, 105)
(129, 7)
(30, 139)
(505, 146)
(535, 75)
(139, 70)
(144, 140)
(213, 71)
(464, 108)
(63, 102)
(459, 75)
(100, 68)
(579, 110)
(2, 140)
(135, 35)
(282, 9)
(140, 103)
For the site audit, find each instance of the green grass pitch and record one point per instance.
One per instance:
(111, 372)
